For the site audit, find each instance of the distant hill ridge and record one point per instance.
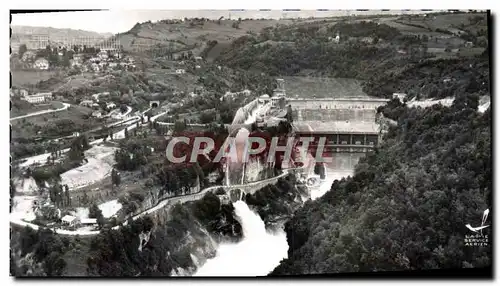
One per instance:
(55, 32)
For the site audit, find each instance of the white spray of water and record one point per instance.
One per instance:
(256, 255)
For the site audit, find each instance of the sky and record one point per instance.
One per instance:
(117, 21)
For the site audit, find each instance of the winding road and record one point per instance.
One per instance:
(66, 106)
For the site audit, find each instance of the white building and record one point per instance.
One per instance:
(38, 98)
(180, 71)
(41, 64)
(103, 55)
(87, 103)
(110, 105)
(335, 39)
(88, 221)
(28, 56)
(74, 63)
(400, 96)
(69, 220)
(95, 67)
(78, 57)
(264, 98)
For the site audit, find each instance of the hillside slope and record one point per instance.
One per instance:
(191, 35)
(407, 205)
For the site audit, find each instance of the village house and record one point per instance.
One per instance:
(97, 113)
(87, 103)
(95, 67)
(335, 39)
(103, 55)
(469, 44)
(180, 71)
(110, 105)
(69, 220)
(78, 57)
(74, 63)
(28, 56)
(41, 64)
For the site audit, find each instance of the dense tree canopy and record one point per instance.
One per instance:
(407, 204)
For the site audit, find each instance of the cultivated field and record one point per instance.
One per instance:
(24, 78)
(77, 115)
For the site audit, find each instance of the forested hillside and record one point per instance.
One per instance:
(300, 49)
(435, 78)
(407, 205)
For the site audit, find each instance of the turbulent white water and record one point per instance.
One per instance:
(256, 255)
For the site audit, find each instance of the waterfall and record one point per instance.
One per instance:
(249, 118)
(257, 254)
(227, 174)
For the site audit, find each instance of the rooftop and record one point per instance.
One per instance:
(336, 127)
(68, 218)
(89, 220)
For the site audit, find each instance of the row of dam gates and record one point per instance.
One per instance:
(348, 124)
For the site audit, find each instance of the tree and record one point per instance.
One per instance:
(123, 108)
(95, 212)
(115, 177)
(54, 264)
(289, 114)
(12, 193)
(22, 50)
(179, 126)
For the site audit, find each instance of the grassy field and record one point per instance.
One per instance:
(27, 127)
(23, 107)
(28, 78)
(323, 87)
